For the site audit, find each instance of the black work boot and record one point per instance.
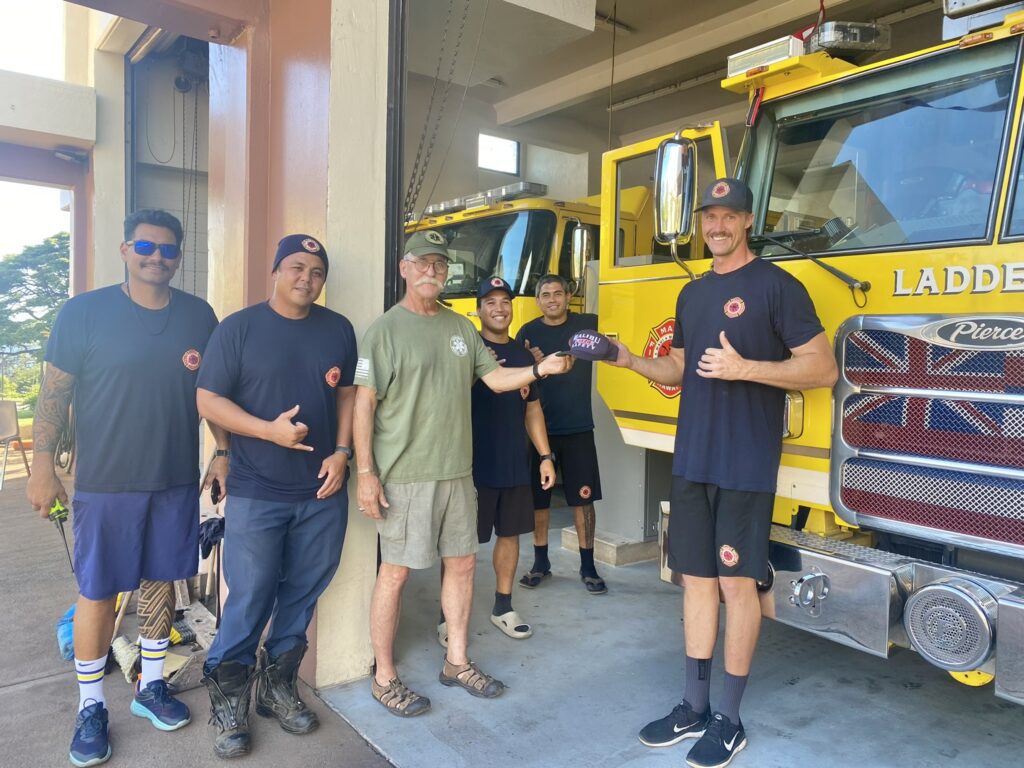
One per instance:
(230, 685)
(277, 694)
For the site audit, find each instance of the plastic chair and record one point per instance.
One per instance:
(10, 433)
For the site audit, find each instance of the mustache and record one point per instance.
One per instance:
(428, 281)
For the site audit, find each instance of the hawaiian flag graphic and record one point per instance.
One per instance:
(952, 428)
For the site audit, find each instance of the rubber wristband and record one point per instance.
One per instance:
(536, 372)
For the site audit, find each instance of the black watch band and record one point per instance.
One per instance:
(536, 372)
(548, 457)
(221, 452)
(343, 449)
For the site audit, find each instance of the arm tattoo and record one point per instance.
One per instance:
(52, 408)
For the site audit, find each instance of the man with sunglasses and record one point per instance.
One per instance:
(278, 376)
(414, 457)
(127, 356)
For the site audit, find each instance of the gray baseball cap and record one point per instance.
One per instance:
(426, 242)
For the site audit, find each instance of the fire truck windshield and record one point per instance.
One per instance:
(515, 246)
(904, 156)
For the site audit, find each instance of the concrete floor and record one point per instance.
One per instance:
(598, 668)
(39, 698)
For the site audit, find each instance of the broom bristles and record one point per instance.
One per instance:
(126, 654)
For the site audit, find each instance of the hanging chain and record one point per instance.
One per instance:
(420, 169)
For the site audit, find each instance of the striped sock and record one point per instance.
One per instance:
(153, 653)
(90, 681)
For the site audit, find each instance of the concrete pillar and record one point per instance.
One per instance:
(356, 186)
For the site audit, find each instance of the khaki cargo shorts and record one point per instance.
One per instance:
(427, 520)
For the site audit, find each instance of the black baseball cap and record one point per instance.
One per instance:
(490, 285)
(290, 244)
(728, 193)
(591, 345)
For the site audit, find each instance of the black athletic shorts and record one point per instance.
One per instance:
(715, 532)
(506, 511)
(576, 459)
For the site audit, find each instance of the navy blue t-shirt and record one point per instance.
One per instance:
(267, 364)
(136, 423)
(500, 458)
(565, 398)
(730, 432)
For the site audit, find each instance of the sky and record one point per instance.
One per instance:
(31, 42)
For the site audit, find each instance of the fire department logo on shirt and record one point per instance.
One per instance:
(192, 359)
(721, 189)
(585, 492)
(659, 342)
(311, 245)
(458, 345)
(333, 376)
(729, 556)
(734, 307)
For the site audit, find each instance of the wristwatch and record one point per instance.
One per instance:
(548, 457)
(343, 449)
(536, 372)
(221, 452)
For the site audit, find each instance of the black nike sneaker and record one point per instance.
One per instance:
(681, 723)
(721, 742)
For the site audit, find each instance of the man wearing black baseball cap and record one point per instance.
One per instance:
(744, 334)
(278, 376)
(502, 422)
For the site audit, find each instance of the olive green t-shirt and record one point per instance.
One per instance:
(422, 368)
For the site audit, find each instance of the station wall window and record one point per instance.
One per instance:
(497, 154)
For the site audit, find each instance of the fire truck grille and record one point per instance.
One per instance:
(958, 502)
(889, 359)
(958, 430)
(916, 447)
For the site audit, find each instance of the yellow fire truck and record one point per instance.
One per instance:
(895, 192)
(517, 233)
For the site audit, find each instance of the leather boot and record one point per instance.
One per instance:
(276, 692)
(230, 685)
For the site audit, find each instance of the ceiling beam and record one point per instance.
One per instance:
(219, 21)
(723, 30)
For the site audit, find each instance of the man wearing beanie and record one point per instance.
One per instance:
(744, 334)
(278, 377)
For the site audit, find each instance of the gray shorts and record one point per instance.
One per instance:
(426, 520)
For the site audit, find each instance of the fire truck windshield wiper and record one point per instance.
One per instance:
(833, 229)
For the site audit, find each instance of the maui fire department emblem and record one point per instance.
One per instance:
(729, 556)
(458, 345)
(192, 359)
(497, 282)
(585, 492)
(311, 245)
(659, 342)
(721, 189)
(333, 376)
(734, 307)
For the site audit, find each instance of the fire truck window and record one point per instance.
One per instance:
(913, 159)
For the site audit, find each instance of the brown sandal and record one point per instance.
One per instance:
(469, 676)
(399, 700)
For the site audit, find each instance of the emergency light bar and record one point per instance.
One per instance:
(763, 55)
(490, 197)
(850, 40)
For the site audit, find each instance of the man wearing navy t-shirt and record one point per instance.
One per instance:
(570, 423)
(127, 355)
(746, 332)
(502, 423)
(278, 376)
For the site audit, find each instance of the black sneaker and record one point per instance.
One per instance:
(681, 723)
(721, 742)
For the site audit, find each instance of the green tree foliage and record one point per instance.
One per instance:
(33, 287)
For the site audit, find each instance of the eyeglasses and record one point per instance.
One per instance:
(169, 251)
(422, 265)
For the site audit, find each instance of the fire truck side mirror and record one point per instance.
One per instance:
(582, 252)
(675, 187)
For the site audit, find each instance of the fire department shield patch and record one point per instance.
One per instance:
(734, 307)
(311, 245)
(659, 342)
(721, 189)
(333, 376)
(585, 492)
(729, 556)
(192, 359)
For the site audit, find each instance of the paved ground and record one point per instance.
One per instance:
(38, 697)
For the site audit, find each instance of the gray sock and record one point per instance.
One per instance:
(698, 683)
(732, 692)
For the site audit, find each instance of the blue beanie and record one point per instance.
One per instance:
(290, 244)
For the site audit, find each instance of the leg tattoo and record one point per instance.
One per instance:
(156, 609)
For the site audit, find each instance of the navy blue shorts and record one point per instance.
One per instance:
(576, 458)
(122, 538)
